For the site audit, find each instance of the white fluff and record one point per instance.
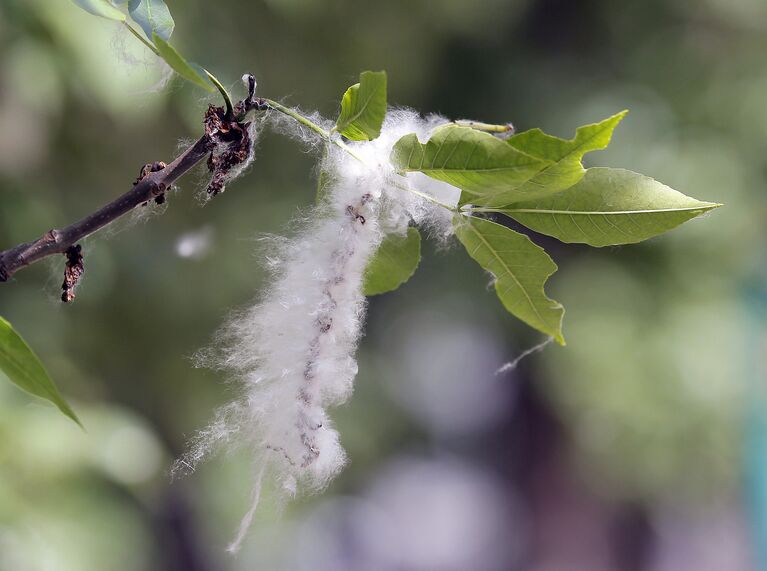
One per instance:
(293, 352)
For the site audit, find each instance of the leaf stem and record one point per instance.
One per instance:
(213, 79)
(224, 93)
(470, 208)
(306, 122)
(511, 209)
(142, 39)
(425, 196)
(327, 135)
(341, 145)
(486, 127)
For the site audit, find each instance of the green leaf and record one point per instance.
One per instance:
(363, 107)
(188, 71)
(565, 168)
(609, 207)
(520, 268)
(394, 263)
(492, 172)
(24, 369)
(478, 163)
(153, 16)
(102, 8)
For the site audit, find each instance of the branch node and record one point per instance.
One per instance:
(73, 271)
(232, 146)
(158, 189)
(251, 102)
(51, 236)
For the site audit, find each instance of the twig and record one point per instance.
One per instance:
(59, 241)
(221, 129)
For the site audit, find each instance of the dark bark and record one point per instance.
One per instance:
(59, 241)
(225, 143)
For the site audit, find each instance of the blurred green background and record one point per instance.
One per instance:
(639, 446)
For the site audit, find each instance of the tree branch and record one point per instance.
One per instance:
(148, 188)
(221, 131)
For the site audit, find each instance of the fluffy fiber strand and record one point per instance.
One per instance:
(293, 352)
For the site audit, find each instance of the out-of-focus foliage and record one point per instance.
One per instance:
(23, 368)
(101, 8)
(188, 71)
(153, 16)
(649, 388)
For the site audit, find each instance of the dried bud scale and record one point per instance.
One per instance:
(73, 272)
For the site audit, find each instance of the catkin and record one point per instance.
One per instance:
(293, 352)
